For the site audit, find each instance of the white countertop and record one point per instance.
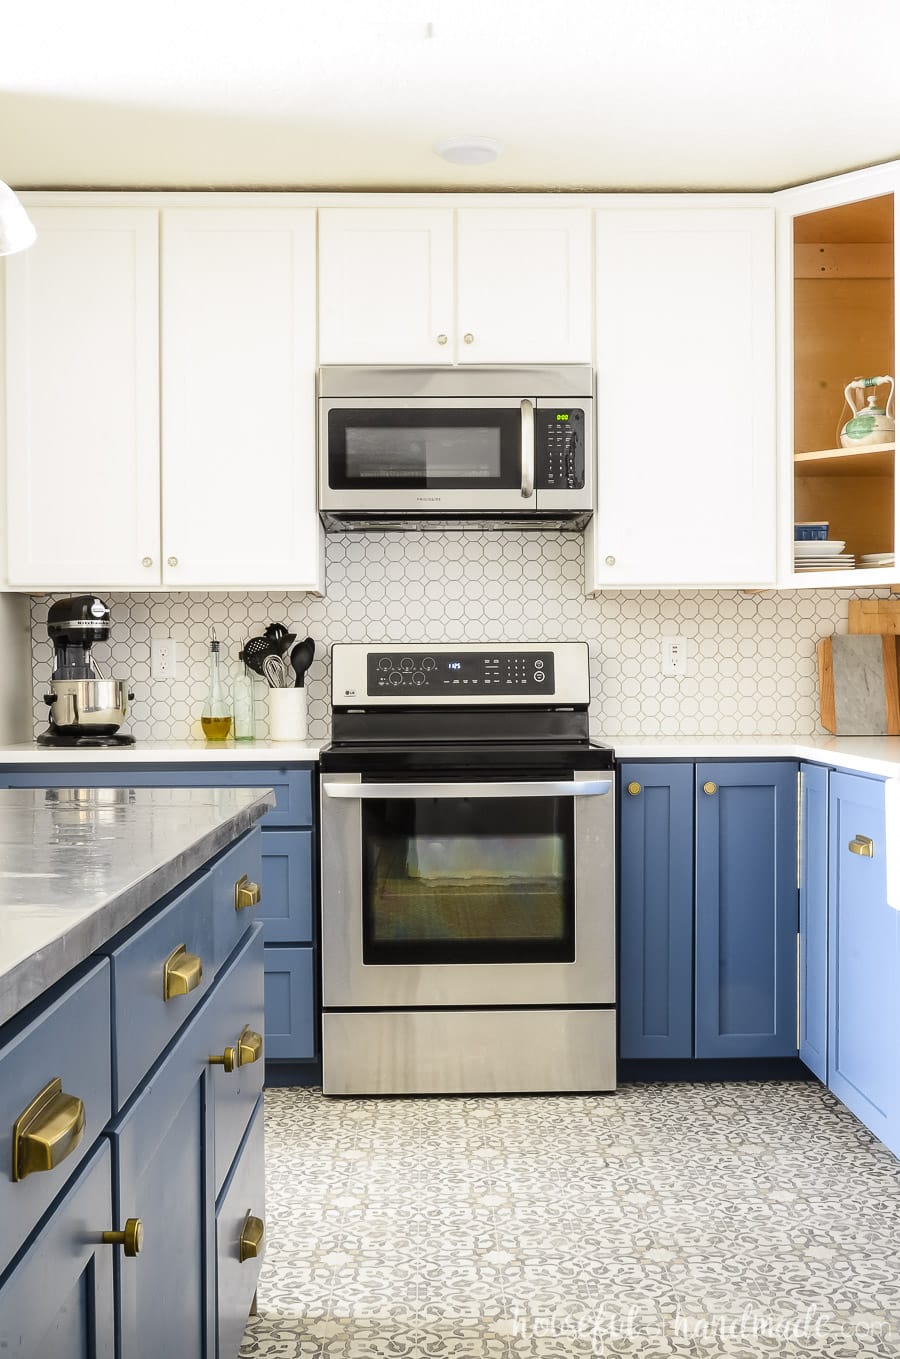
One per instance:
(878, 755)
(164, 752)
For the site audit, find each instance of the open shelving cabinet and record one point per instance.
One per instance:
(837, 254)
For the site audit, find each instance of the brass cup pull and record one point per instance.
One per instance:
(131, 1239)
(182, 972)
(246, 893)
(634, 789)
(229, 1059)
(250, 1046)
(47, 1131)
(253, 1232)
(862, 845)
(709, 788)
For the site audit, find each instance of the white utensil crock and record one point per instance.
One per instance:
(287, 714)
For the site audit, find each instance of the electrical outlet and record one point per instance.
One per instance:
(674, 656)
(163, 658)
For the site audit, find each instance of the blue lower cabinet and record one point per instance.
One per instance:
(813, 882)
(656, 923)
(240, 1238)
(235, 1025)
(165, 1177)
(287, 887)
(746, 909)
(864, 960)
(57, 1301)
(291, 1028)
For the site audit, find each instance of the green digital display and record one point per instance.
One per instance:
(561, 416)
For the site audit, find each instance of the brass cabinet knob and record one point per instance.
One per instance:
(172, 561)
(131, 1239)
(228, 1059)
(250, 1046)
(634, 789)
(469, 337)
(610, 561)
(442, 339)
(246, 893)
(47, 1131)
(252, 1235)
(182, 972)
(146, 561)
(710, 788)
(862, 845)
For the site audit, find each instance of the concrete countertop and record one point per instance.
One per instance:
(77, 866)
(165, 752)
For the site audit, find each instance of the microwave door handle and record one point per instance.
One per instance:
(393, 791)
(527, 410)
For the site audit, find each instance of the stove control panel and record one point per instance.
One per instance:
(463, 673)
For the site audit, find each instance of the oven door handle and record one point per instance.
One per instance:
(391, 791)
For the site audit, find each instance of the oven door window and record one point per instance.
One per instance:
(422, 449)
(469, 880)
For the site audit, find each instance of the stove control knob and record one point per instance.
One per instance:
(396, 677)
(384, 663)
(406, 664)
(539, 676)
(418, 677)
(429, 663)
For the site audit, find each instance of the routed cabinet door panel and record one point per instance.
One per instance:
(82, 394)
(524, 285)
(685, 399)
(813, 879)
(238, 382)
(864, 961)
(656, 927)
(386, 285)
(746, 870)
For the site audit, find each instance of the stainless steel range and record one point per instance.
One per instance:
(468, 876)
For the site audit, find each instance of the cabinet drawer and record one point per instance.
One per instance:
(236, 1277)
(287, 883)
(144, 1021)
(57, 1303)
(293, 787)
(231, 920)
(70, 1039)
(236, 1007)
(290, 1004)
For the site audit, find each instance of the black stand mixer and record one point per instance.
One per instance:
(86, 708)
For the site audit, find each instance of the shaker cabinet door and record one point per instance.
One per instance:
(238, 411)
(686, 465)
(82, 401)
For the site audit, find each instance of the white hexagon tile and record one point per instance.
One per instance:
(751, 657)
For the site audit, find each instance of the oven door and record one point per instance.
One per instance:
(468, 893)
(428, 454)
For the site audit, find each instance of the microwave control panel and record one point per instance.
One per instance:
(480, 672)
(559, 449)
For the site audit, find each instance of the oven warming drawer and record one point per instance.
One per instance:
(438, 1052)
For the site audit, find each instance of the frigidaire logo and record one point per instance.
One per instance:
(429, 499)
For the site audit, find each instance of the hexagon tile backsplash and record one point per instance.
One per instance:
(751, 666)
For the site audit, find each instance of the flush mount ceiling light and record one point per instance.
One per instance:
(468, 150)
(16, 227)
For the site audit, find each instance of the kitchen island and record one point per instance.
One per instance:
(131, 1006)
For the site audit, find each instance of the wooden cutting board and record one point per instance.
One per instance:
(859, 685)
(874, 615)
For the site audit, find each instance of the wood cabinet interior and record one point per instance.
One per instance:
(843, 329)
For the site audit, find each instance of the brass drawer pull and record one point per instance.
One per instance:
(709, 788)
(131, 1239)
(246, 893)
(47, 1131)
(634, 789)
(228, 1059)
(862, 845)
(253, 1232)
(250, 1046)
(182, 972)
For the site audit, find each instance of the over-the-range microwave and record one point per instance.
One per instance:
(455, 447)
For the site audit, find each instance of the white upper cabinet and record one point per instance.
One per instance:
(238, 408)
(474, 285)
(82, 401)
(686, 474)
(524, 285)
(386, 285)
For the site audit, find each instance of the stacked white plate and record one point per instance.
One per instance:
(873, 559)
(825, 555)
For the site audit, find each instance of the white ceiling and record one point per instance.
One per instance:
(638, 94)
